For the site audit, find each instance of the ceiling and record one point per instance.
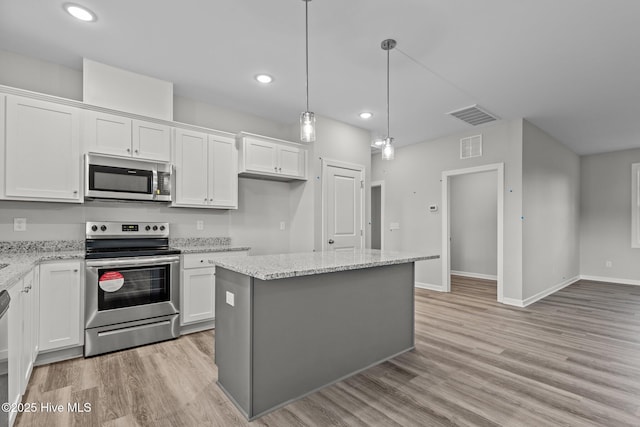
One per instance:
(571, 67)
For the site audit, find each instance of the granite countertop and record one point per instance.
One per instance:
(20, 263)
(195, 245)
(270, 267)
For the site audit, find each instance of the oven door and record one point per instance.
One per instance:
(127, 289)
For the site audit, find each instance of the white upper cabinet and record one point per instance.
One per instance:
(206, 174)
(269, 158)
(191, 169)
(41, 155)
(122, 136)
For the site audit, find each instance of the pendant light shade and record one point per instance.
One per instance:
(307, 118)
(388, 152)
(307, 127)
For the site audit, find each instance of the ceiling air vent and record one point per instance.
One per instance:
(474, 115)
(471, 147)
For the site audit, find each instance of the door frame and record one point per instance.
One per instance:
(381, 185)
(446, 222)
(343, 165)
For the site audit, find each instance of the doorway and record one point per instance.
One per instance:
(377, 215)
(447, 220)
(342, 206)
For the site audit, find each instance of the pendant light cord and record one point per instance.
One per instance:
(306, 34)
(388, 130)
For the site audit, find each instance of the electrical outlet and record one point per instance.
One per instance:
(608, 264)
(19, 224)
(230, 298)
(394, 226)
(282, 225)
(199, 225)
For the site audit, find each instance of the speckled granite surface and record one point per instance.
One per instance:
(194, 245)
(41, 246)
(270, 267)
(20, 263)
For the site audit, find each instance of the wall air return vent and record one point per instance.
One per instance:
(474, 115)
(471, 147)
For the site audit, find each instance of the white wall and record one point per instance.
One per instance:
(412, 183)
(474, 226)
(263, 204)
(551, 183)
(605, 217)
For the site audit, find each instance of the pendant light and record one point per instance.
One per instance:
(307, 119)
(388, 151)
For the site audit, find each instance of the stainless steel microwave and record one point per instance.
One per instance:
(108, 177)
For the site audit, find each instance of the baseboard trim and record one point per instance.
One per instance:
(512, 301)
(611, 280)
(429, 286)
(474, 275)
(551, 290)
(59, 355)
(197, 327)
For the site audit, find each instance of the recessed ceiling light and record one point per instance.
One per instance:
(264, 78)
(366, 115)
(80, 12)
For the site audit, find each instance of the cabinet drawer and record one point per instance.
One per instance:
(206, 259)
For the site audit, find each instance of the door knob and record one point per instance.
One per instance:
(331, 242)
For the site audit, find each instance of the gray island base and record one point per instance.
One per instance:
(279, 340)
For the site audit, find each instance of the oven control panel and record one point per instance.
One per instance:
(123, 230)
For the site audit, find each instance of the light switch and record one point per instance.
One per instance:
(230, 297)
(282, 225)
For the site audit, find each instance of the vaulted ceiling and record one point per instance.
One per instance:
(571, 67)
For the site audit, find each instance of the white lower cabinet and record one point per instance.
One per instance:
(61, 323)
(198, 287)
(23, 333)
(198, 295)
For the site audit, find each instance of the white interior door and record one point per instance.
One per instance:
(343, 207)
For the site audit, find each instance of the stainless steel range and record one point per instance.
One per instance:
(132, 286)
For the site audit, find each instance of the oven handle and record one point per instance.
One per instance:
(132, 262)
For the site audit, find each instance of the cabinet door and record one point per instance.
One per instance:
(60, 308)
(15, 345)
(191, 168)
(198, 295)
(291, 161)
(223, 172)
(260, 156)
(107, 133)
(42, 153)
(151, 141)
(27, 309)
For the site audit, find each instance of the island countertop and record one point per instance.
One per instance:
(281, 266)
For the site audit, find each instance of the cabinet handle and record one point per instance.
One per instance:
(75, 191)
(75, 270)
(201, 260)
(275, 168)
(136, 151)
(128, 150)
(211, 200)
(279, 169)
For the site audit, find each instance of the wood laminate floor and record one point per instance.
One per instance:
(572, 359)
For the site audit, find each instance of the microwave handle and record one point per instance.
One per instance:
(155, 183)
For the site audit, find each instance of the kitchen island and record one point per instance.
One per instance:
(288, 325)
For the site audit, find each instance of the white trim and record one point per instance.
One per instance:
(540, 295)
(611, 280)
(635, 205)
(513, 301)
(429, 286)
(344, 165)
(446, 223)
(549, 291)
(382, 196)
(474, 275)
